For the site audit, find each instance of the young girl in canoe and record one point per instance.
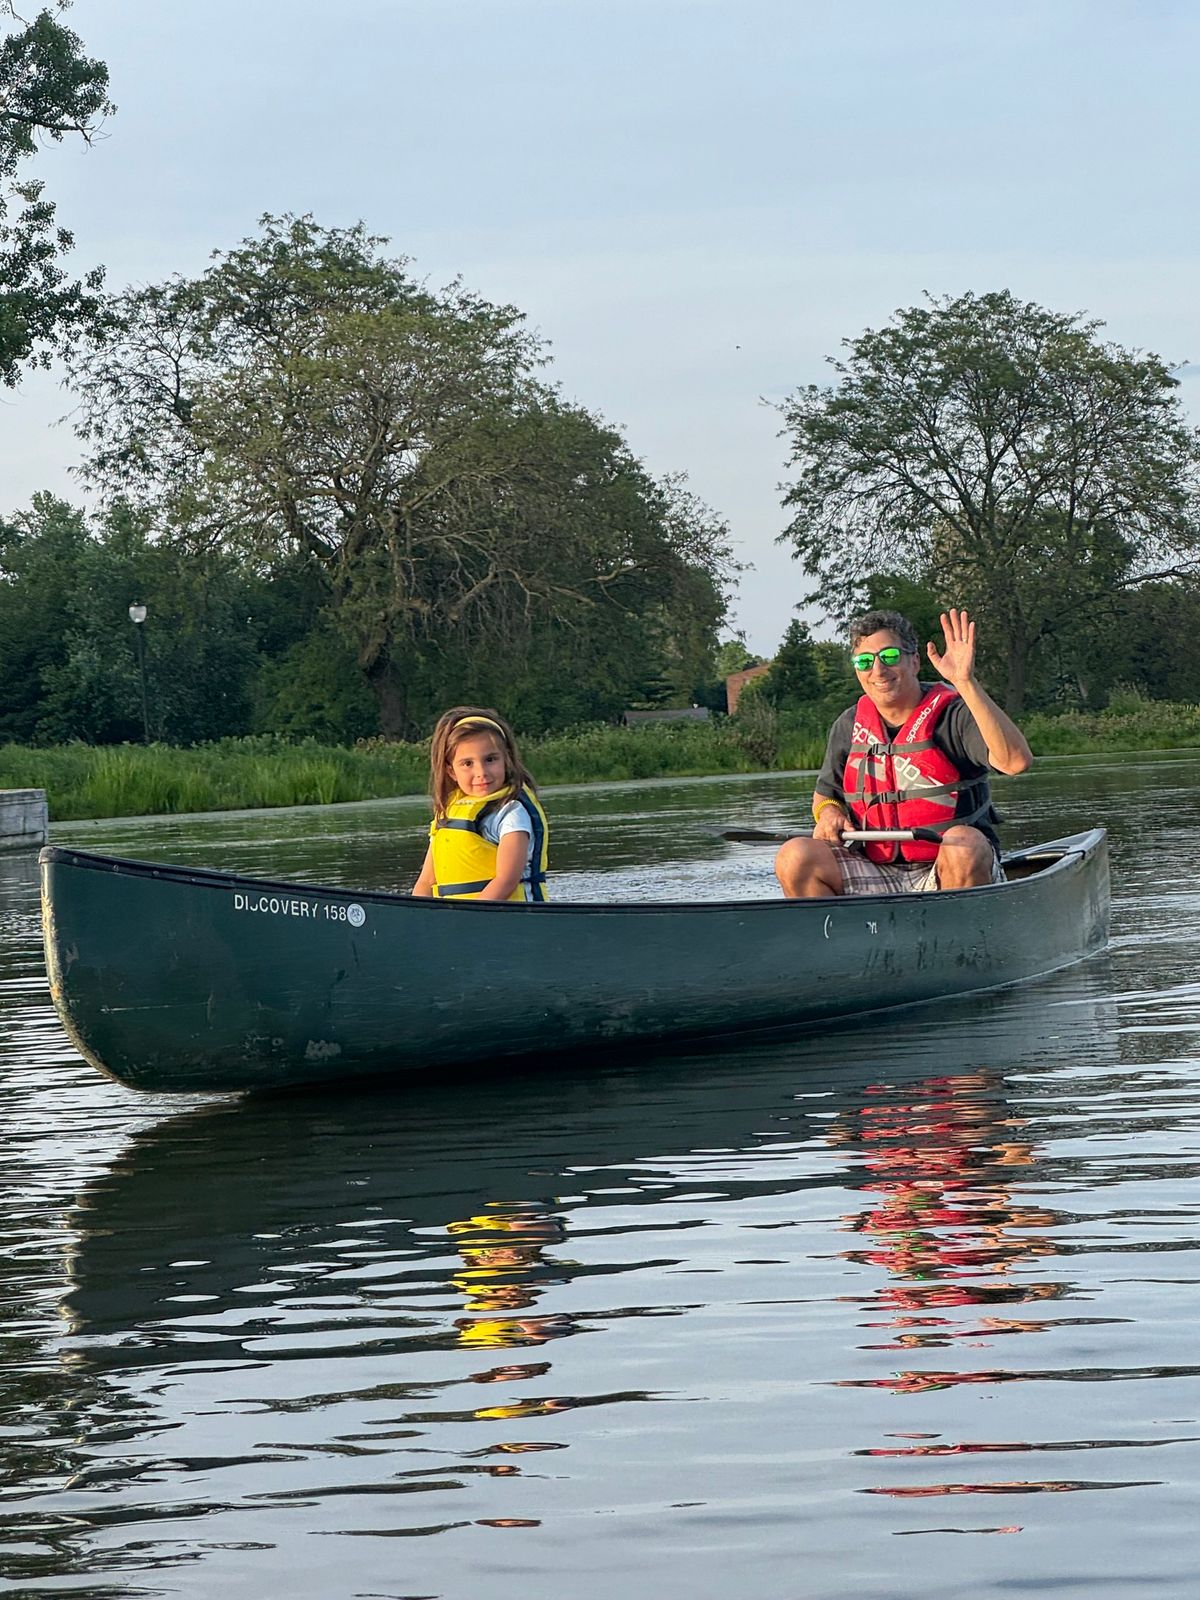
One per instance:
(487, 840)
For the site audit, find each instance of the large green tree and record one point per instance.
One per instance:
(49, 89)
(307, 395)
(1004, 454)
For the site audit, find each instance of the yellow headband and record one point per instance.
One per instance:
(470, 722)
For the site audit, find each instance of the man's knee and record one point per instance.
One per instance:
(965, 858)
(793, 860)
(807, 867)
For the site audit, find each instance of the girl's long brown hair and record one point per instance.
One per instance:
(465, 722)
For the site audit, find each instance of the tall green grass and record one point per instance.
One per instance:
(142, 780)
(654, 750)
(232, 774)
(1128, 724)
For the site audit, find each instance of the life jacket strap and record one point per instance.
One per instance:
(936, 794)
(534, 880)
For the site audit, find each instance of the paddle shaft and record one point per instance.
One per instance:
(851, 836)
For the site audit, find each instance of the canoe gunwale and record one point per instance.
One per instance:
(1057, 853)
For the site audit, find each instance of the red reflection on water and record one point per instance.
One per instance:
(944, 1221)
(943, 1218)
(515, 1448)
(915, 1533)
(917, 1296)
(980, 1333)
(924, 1382)
(513, 1374)
(949, 1450)
(1015, 1486)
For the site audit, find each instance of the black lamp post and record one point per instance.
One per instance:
(137, 615)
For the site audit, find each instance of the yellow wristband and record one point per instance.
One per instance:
(817, 810)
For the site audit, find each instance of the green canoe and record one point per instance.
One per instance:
(173, 978)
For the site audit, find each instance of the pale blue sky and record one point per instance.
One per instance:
(694, 201)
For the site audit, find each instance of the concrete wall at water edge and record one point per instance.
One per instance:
(24, 819)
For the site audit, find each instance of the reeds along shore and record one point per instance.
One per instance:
(88, 781)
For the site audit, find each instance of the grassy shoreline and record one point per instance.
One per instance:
(94, 781)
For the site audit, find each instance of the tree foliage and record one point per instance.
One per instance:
(1140, 642)
(313, 689)
(1002, 453)
(40, 555)
(48, 90)
(734, 655)
(306, 395)
(69, 665)
(794, 679)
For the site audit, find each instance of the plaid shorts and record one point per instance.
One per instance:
(860, 875)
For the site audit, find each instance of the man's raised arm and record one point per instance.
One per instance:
(1007, 747)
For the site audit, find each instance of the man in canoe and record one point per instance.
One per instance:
(908, 755)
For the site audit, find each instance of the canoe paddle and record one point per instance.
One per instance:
(851, 835)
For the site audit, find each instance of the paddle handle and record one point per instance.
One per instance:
(882, 835)
(870, 835)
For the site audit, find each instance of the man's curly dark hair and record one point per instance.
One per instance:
(880, 621)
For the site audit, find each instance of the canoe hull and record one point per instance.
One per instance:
(176, 979)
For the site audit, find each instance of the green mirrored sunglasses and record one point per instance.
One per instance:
(865, 659)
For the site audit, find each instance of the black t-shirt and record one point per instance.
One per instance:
(956, 734)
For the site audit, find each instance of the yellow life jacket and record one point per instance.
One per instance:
(464, 862)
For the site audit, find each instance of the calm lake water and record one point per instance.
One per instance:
(907, 1310)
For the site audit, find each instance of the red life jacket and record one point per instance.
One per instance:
(904, 782)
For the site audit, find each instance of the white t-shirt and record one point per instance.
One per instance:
(510, 818)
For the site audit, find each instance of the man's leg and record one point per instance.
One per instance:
(808, 869)
(965, 859)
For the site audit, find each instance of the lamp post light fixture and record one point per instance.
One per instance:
(137, 615)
